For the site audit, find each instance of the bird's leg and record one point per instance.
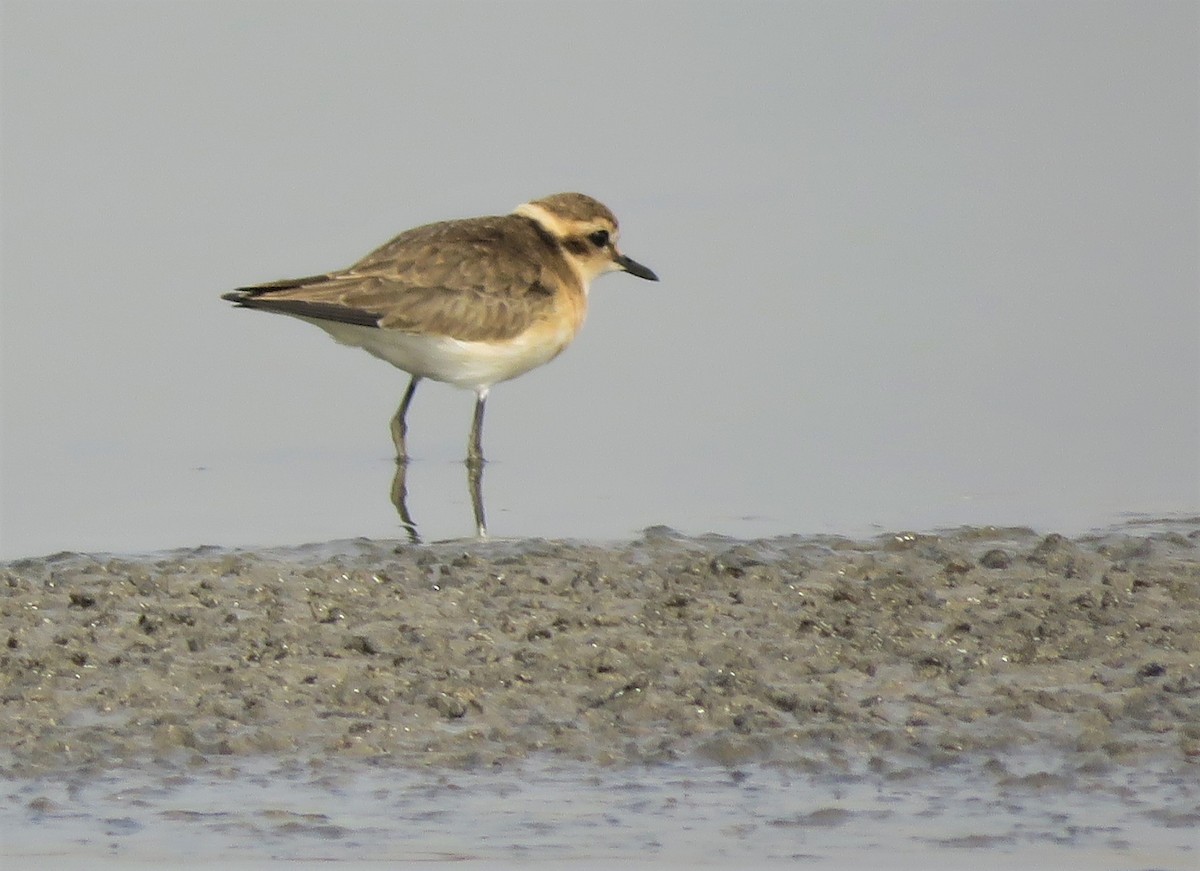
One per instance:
(475, 444)
(400, 425)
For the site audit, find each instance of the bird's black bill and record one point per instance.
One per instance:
(634, 268)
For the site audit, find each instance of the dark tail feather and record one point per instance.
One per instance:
(244, 293)
(260, 298)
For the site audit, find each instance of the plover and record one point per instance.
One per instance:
(471, 302)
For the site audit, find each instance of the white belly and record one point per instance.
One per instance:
(473, 365)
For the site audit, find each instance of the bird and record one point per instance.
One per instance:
(469, 302)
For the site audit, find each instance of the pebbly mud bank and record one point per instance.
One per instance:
(907, 649)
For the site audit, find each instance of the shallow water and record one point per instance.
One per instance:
(251, 814)
(904, 284)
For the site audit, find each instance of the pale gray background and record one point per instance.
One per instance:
(923, 264)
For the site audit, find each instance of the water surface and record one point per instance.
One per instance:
(922, 265)
(581, 818)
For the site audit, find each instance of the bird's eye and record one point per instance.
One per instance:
(599, 238)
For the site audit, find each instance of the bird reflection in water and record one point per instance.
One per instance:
(400, 498)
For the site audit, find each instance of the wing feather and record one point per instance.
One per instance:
(487, 279)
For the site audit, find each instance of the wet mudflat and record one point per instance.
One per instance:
(809, 689)
(1036, 813)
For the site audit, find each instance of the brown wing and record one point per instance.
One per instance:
(482, 279)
